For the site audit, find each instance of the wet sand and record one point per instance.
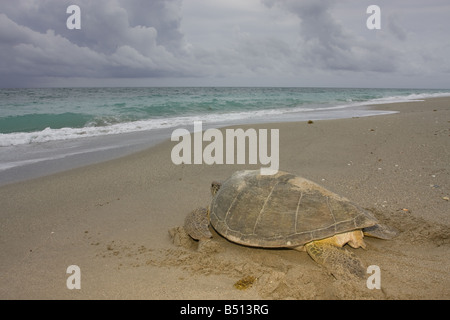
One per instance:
(112, 219)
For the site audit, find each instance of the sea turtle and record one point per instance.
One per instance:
(287, 211)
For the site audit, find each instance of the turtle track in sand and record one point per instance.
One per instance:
(288, 274)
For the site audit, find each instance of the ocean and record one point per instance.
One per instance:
(61, 128)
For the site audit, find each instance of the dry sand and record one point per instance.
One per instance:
(112, 219)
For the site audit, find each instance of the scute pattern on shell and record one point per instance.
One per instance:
(282, 210)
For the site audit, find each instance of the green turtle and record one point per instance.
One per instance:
(287, 211)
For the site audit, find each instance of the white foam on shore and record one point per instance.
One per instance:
(18, 163)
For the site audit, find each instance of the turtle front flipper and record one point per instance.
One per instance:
(338, 261)
(381, 231)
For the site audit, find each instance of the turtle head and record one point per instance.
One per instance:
(215, 186)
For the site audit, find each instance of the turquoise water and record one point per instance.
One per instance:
(41, 115)
(43, 131)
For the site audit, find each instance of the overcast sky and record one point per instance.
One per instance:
(225, 43)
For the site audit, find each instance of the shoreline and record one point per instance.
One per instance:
(112, 218)
(51, 157)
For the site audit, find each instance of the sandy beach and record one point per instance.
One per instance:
(112, 219)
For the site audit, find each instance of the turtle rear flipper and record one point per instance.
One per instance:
(338, 261)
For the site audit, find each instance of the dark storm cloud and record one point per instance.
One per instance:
(326, 44)
(117, 39)
(164, 16)
(303, 41)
